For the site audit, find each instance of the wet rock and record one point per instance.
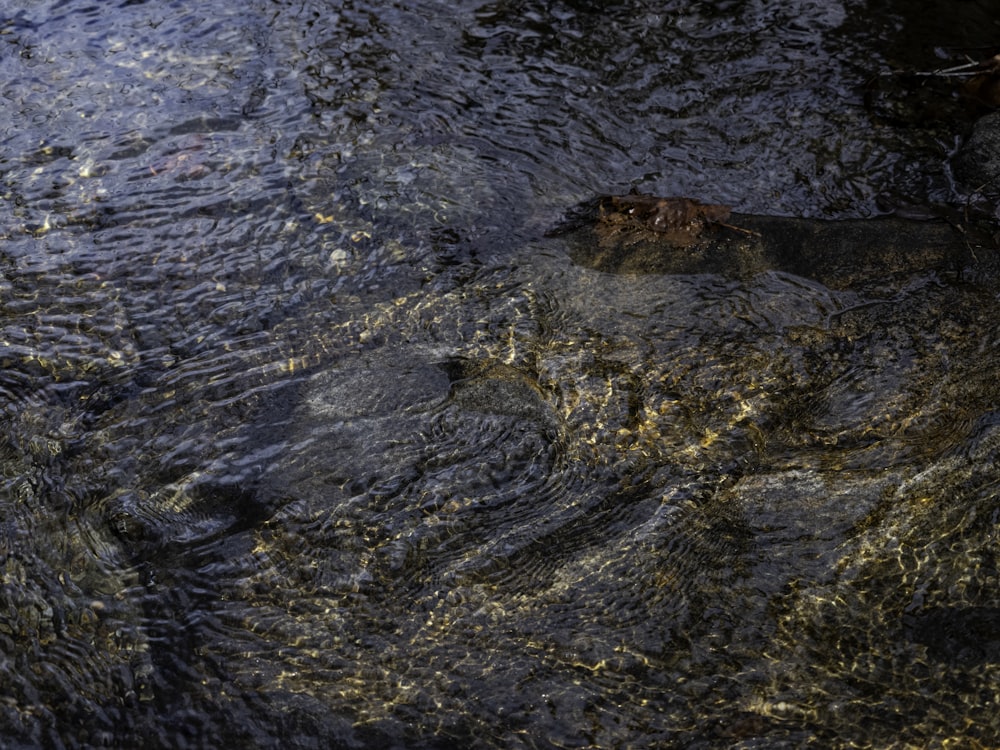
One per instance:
(870, 255)
(977, 165)
(493, 387)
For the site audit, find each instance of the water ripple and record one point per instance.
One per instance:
(306, 433)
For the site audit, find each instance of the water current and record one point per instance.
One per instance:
(311, 438)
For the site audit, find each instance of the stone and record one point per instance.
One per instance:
(977, 164)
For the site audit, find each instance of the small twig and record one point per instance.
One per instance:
(748, 232)
(957, 70)
(971, 68)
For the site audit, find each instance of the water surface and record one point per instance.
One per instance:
(312, 438)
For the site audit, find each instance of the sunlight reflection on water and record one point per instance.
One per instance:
(309, 435)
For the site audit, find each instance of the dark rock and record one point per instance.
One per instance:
(977, 164)
(958, 634)
(871, 254)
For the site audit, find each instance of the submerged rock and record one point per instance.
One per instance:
(865, 254)
(614, 508)
(977, 164)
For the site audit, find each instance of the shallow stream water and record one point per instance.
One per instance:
(312, 439)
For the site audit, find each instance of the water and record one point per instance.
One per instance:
(311, 437)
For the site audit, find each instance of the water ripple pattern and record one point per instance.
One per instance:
(309, 437)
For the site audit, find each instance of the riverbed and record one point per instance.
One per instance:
(313, 438)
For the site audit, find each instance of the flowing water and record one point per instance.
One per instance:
(312, 439)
